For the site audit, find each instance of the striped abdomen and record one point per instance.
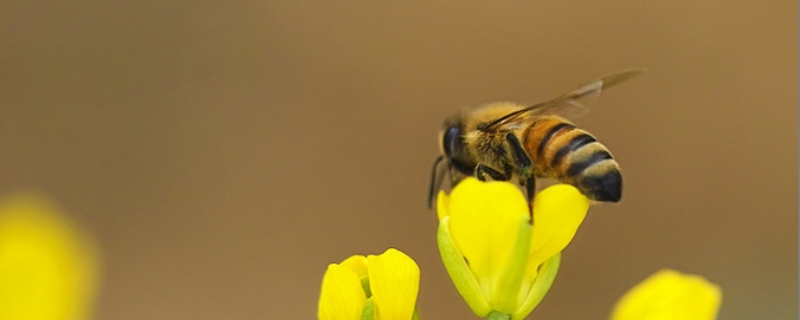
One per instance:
(560, 150)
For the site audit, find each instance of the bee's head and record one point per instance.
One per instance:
(454, 153)
(451, 140)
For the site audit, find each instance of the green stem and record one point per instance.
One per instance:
(494, 315)
(368, 313)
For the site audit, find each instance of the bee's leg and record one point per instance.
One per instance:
(436, 180)
(530, 188)
(458, 171)
(522, 160)
(481, 171)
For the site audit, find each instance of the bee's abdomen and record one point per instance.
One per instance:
(560, 150)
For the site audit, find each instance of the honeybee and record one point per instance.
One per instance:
(505, 140)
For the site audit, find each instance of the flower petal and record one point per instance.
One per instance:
(558, 211)
(539, 287)
(505, 296)
(394, 280)
(358, 264)
(342, 297)
(484, 224)
(442, 205)
(669, 294)
(48, 270)
(465, 281)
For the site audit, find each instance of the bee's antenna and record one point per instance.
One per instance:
(436, 180)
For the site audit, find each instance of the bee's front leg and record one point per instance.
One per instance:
(481, 171)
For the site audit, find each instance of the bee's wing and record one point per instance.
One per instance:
(567, 99)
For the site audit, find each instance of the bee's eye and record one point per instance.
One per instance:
(452, 142)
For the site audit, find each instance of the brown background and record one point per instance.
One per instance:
(225, 153)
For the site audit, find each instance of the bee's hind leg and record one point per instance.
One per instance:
(530, 190)
(525, 165)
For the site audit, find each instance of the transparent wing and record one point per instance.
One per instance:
(568, 99)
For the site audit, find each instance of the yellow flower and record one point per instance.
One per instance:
(501, 263)
(668, 295)
(382, 287)
(48, 270)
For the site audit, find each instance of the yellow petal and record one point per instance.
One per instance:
(394, 280)
(539, 287)
(506, 296)
(558, 211)
(341, 297)
(48, 270)
(463, 278)
(358, 264)
(442, 205)
(484, 220)
(669, 295)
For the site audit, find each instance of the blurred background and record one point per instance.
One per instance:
(224, 153)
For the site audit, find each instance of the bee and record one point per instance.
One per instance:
(505, 140)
